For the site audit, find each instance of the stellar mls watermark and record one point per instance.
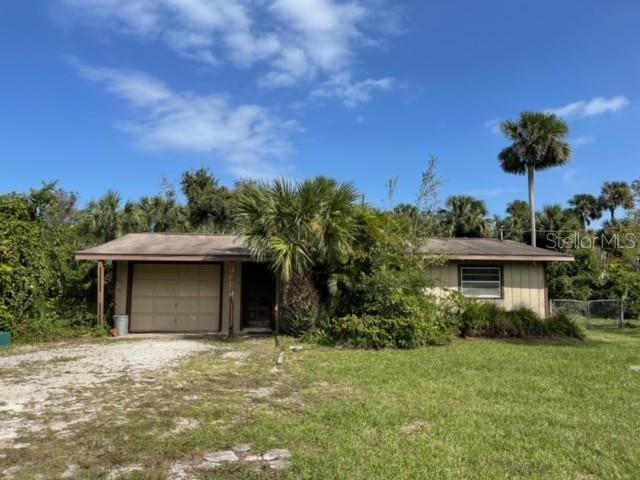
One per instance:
(608, 241)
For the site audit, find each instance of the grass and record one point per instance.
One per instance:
(480, 409)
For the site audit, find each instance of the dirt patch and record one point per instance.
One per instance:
(49, 388)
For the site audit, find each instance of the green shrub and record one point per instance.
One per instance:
(376, 332)
(487, 319)
(563, 325)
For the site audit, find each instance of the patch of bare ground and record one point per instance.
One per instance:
(157, 413)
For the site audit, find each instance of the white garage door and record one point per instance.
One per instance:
(175, 298)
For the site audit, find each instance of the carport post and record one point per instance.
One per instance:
(100, 293)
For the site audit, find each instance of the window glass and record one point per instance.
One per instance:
(481, 282)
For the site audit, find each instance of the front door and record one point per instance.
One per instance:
(258, 297)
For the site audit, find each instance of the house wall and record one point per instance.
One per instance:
(122, 279)
(524, 284)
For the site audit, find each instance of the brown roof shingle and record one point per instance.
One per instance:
(160, 246)
(193, 247)
(489, 249)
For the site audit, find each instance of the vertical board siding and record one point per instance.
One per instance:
(524, 284)
(122, 287)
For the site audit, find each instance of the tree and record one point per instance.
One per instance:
(539, 143)
(103, 218)
(614, 195)
(295, 227)
(206, 199)
(586, 207)
(518, 220)
(466, 216)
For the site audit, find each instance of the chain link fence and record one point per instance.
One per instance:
(594, 313)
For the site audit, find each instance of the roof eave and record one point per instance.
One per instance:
(161, 258)
(506, 258)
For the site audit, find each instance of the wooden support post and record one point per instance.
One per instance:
(100, 293)
(277, 305)
(232, 287)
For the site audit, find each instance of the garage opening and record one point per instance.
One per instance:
(258, 297)
(184, 298)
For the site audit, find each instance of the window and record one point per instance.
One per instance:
(481, 282)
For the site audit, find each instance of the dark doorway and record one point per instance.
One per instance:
(258, 297)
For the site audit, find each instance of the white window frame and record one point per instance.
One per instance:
(461, 272)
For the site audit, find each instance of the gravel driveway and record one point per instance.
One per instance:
(41, 387)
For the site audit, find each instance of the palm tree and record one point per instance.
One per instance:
(103, 218)
(587, 207)
(466, 216)
(296, 226)
(614, 195)
(539, 142)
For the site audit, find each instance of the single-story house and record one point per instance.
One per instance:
(509, 273)
(210, 283)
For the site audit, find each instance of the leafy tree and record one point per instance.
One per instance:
(538, 143)
(614, 195)
(586, 207)
(206, 199)
(466, 216)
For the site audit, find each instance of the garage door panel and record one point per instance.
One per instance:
(164, 305)
(142, 305)
(206, 322)
(188, 306)
(145, 271)
(175, 297)
(189, 288)
(145, 287)
(209, 305)
(167, 288)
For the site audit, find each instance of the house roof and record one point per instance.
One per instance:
(202, 248)
(170, 247)
(489, 249)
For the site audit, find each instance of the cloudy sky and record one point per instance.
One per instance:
(103, 94)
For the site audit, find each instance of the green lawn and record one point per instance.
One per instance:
(477, 409)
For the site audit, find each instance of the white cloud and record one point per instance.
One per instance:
(493, 125)
(583, 140)
(248, 137)
(591, 108)
(351, 93)
(293, 41)
(570, 177)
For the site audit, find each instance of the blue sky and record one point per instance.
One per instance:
(103, 94)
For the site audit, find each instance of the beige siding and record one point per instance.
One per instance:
(122, 277)
(231, 294)
(444, 277)
(524, 284)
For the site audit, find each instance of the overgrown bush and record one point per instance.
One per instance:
(374, 332)
(44, 293)
(563, 325)
(486, 319)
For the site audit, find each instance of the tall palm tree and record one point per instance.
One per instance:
(466, 216)
(614, 195)
(587, 207)
(538, 143)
